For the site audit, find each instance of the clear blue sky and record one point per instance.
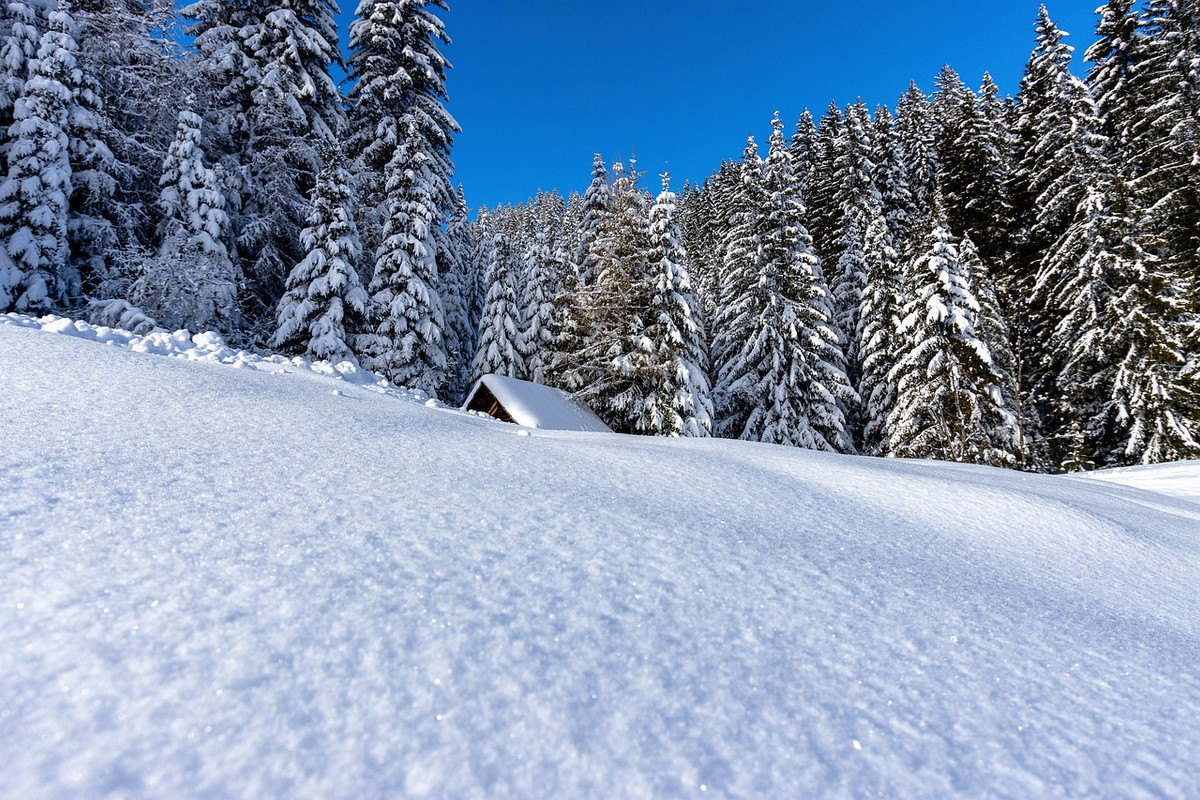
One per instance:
(540, 85)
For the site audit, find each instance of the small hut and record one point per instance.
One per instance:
(532, 405)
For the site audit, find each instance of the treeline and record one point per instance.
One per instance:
(1010, 281)
(230, 185)
(966, 277)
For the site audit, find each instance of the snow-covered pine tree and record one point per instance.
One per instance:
(971, 165)
(740, 198)
(191, 283)
(1053, 168)
(540, 287)
(948, 403)
(884, 294)
(34, 197)
(915, 126)
(597, 204)
(891, 180)
(272, 104)
(787, 374)
(499, 350)
(131, 50)
(21, 23)
(990, 207)
(407, 344)
(1164, 138)
(804, 148)
(325, 303)
(1155, 408)
(679, 403)
(611, 364)
(399, 119)
(825, 216)
(565, 323)
(991, 328)
(457, 288)
(1113, 77)
(1060, 153)
(862, 239)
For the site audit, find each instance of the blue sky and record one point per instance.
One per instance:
(540, 85)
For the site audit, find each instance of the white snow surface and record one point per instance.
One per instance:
(1178, 480)
(222, 582)
(533, 405)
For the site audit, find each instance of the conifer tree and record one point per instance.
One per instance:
(456, 287)
(784, 382)
(884, 293)
(540, 287)
(273, 103)
(1165, 137)
(1060, 148)
(992, 329)
(948, 403)
(891, 180)
(825, 218)
(597, 203)
(191, 283)
(21, 22)
(741, 196)
(971, 165)
(566, 326)
(915, 126)
(34, 198)
(862, 239)
(1113, 77)
(804, 151)
(325, 303)
(679, 403)
(611, 371)
(499, 350)
(1155, 408)
(400, 120)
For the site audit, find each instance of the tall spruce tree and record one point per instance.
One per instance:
(948, 404)
(539, 288)
(611, 370)
(272, 104)
(784, 380)
(597, 203)
(34, 198)
(456, 287)
(400, 120)
(499, 350)
(916, 127)
(1165, 137)
(191, 282)
(325, 303)
(679, 403)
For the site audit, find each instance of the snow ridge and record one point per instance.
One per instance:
(209, 347)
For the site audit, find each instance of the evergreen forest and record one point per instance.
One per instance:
(965, 276)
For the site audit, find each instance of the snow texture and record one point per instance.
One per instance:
(1178, 479)
(225, 582)
(536, 406)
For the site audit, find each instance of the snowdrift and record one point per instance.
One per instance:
(270, 582)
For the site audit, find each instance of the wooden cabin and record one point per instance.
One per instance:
(532, 405)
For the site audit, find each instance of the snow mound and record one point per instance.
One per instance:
(210, 347)
(228, 583)
(1176, 480)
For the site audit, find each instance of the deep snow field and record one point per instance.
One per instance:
(285, 580)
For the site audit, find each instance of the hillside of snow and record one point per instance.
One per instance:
(289, 580)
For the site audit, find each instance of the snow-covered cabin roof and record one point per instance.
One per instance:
(532, 405)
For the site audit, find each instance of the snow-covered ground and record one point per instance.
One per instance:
(273, 582)
(1177, 480)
